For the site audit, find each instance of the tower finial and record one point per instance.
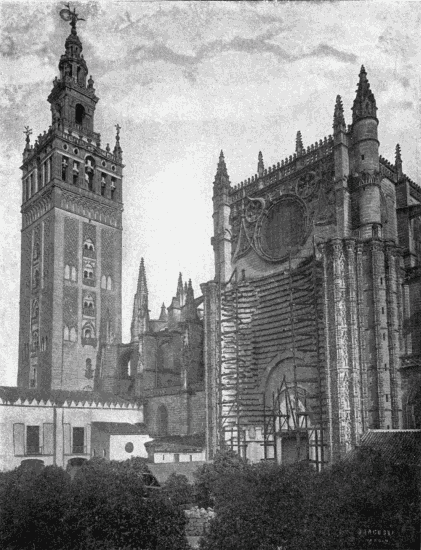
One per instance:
(338, 115)
(68, 15)
(140, 317)
(364, 102)
(299, 147)
(260, 165)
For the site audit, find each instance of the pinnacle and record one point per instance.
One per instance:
(260, 164)
(338, 116)
(364, 102)
(299, 143)
(221, 177)
(398, 157)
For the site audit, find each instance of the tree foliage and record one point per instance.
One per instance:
(102, 508)
(266, 507)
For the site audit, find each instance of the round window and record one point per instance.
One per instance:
(113, 168)
(129, 447)
(283, 228)
(65, 147)
(75, 150)
(103, 163)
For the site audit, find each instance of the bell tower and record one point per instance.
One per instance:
(70, 293)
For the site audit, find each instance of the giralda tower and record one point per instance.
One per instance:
(70, 293)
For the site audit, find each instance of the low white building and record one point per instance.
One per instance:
(58, 427)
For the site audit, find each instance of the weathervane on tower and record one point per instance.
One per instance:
(68, 15)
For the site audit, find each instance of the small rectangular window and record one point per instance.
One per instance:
(78, 441)
(32, 440)
(387, 397)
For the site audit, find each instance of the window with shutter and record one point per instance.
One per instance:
(19, 439)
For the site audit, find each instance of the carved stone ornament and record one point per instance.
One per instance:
(307, 185)
(254, 209)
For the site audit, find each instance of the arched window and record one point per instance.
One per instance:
(88, 302)
(88, 244)
(74, 274)
(67, 272)
(109, 285)
(66, 335)
(73, 334)
(88, 271)
(162, 420)
(79, 113)
(103, 281)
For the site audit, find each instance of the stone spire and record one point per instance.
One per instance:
(180, 294)
(140, 317)
(164, 315)
(260, 165)
(190, 314)
(118, 151)
(398, 160)
(299, 147)
(338, 115)
(221, 178)
(364, 102)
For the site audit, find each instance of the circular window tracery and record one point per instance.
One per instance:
(283, 228)
(129, 447)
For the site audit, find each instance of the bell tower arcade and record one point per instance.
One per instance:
(71, 252)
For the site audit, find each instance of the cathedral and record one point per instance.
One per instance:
(308, 336)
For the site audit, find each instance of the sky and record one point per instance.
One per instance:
(185, 80)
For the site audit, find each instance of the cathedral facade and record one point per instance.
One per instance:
(312, 332)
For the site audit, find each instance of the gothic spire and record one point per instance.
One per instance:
(141, 280)
(179, 285)
(338, 115)
(260, 165)
(140, 305)
(190, 313)
(364, 102)
(299, 143)
(221, 178)
(164, 315)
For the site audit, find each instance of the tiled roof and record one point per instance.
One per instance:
(177, 444)
(121, 428)
(163, 471)
(12, 394)
(399, 446)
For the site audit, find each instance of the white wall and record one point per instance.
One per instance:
(66, 419)
(160, 458)
(118, 443)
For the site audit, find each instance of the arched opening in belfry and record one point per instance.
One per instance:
(79, 113)
(162, 420)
